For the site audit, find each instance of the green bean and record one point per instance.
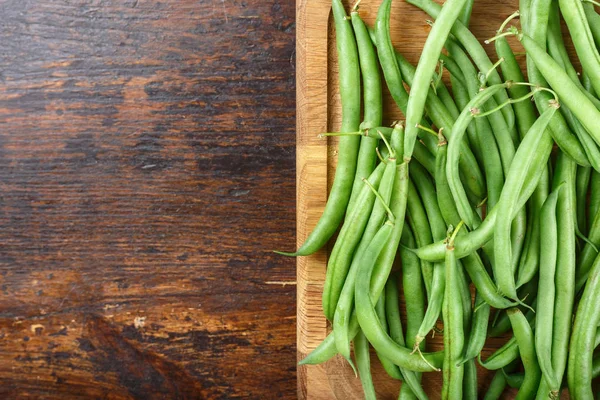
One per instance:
(461, 94)
(474, 240)
(594, 195)
(412, 283)
(389, 367)
(349, 78)
(496, 387)
(471, 262)
(587, 84)
(454, 140)
(575, 17)
(367, 317)
(525, 12)
(385, 52)
(514, 380)
(465, 14)
(442, 190)
(478, 332)
(348, 238)
(567, 91)
(596, 367)
(421, 154)
(443, 119)
(584, 330)
(438, 229)
(558, 51)
(503, 356)
(434, 280)
(525, 343)
(589, 146)
(373, 107)
(345, 302)
(499, 126)
(470, 380)
(594, 21)
(406, 393)
(429, 56)
(528, 293)
(439, 104)
(537, 30)
(486, 143)
(453, 328)
(363, 362)
(503, 271)
(547, 290)
(582, 185)
(475, 50)
(384, 263)
(588, 254)
(417, 219)
(392, 295)
(524, 111)
(565, 263)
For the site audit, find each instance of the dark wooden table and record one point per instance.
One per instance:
(146, 168)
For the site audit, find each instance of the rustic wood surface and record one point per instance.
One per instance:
(146, 168)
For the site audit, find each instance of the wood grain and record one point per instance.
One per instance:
(318, 111)
(146, 171)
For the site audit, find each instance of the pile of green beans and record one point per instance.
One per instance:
(481, 210)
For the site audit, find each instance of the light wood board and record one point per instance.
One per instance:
(318, 110)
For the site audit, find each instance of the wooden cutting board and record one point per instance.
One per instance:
(318, 110)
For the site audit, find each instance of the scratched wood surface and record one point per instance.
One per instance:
(319, 111)
(146, 170)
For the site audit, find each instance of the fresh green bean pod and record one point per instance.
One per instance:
(565, 263)
(502, 357)
(413, 287)
(580, 371)
(363, 362)
(373, 103)
(478, 332)
(537, 29)
(442, 118)
(345, 303)
(367, 317)
(503, 271)
(348, 238)
(582, 184)
(474, 240)
(453, 372)
(568, 92)
(593, 20)
(547, 290)
(349, 78)
(470, 380)
(514, 380)
(417, 220)
(392, 310)
(594, 204)
(475, 51)
(525, 343)
(497, 386)
(558, 51)
(425, 69)
(389, 367)
(575, 17)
